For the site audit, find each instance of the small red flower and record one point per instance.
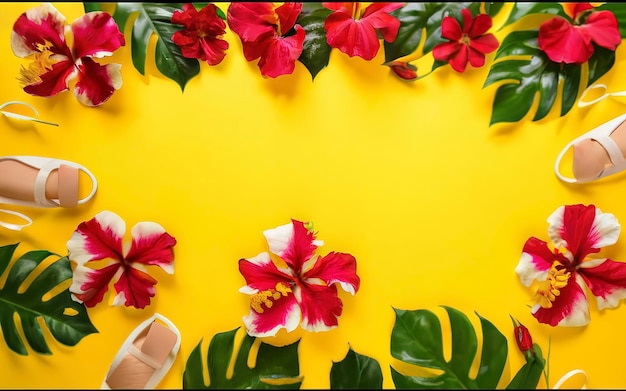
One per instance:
(403, 70)
(571, 42)
(262, 28)
(523, 338)
(354, 30)
(202, 36)
(469, 44)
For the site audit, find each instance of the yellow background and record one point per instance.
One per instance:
(408, 177)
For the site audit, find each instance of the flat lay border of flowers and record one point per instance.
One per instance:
(291, 285)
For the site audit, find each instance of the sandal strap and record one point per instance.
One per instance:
(144, 358)
(611, 147)
(40, 184)
(15, 227)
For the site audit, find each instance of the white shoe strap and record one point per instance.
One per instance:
(583, 103)
(15, 227)
(23, 117)
(40, 184)
(568, 376)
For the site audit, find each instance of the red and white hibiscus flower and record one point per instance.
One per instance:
(102, 239)
(563, 271)
(298, 289)
(39, 34)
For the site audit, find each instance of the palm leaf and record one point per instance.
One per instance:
(66, 319)
(315, 50)
(154, 19)
(416, 339)
(276, 367)
(521, 10)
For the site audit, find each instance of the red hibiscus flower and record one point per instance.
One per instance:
(571, 42)
(469, 44)
(354, 31)
(202, 36)
(262, 28)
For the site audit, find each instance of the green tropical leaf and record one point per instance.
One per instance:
(154, 18)
(417, 19)
(356, 371)
(600, 63)
(524, 78)
(276, 367)
(520, 10)
(315, 50)
(416, 339)
(529, 374)
(492, 9)
(66, 319)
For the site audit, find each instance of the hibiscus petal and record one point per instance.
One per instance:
(485, 43)
(251, 20)
(320, 307)
(602, 28)
(563, 43)
(96, 83)
(283, 313)
(444, 51)
(582, 229)
(96, 35)
(52, 82)
(338, 6)
(287, 15)
(351, 37)
(281, 54)
(569, 309)
(476, 58)
(535, 262)
(261, 274)
(98, 238)
(41, 25)
(293, 242)
(458, 61)
(376, 14)
(151, 245)
(90, 285)
(607, 281)
(336, 268)
(186, 16)
(481, 24)
(451, 29)
(134, 288)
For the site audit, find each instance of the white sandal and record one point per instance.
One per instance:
(601, 134)
(68, 190)
(149, 351)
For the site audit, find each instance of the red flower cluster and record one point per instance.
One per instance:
(269, 32)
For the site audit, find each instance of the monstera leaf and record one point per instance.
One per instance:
(416, 339)
(66, 319)
(536, 74)
(418, 18)
(154, 18)
(276, 367)
(521, 10)
(356, 371)
(315, 50)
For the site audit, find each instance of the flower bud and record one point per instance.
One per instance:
(403, 70)
(523, 338)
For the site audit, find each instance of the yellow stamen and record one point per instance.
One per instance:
(268, 297)
(41, 64)
(549, 289)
